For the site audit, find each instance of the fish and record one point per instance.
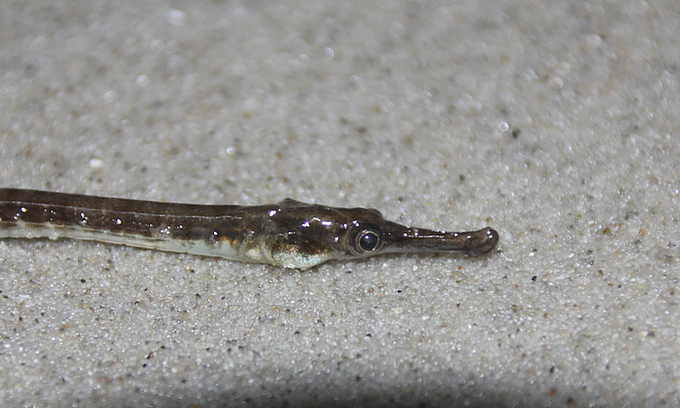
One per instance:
(289, 234)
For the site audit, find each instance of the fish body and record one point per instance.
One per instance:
(289, 234)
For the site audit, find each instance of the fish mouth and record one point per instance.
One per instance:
(403, 239)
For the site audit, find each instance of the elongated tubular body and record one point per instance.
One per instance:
(290, 233)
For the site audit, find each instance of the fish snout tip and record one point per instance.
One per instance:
(485, 240)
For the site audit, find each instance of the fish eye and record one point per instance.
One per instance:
(367, 241)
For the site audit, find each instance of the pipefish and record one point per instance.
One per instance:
(290, 234)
